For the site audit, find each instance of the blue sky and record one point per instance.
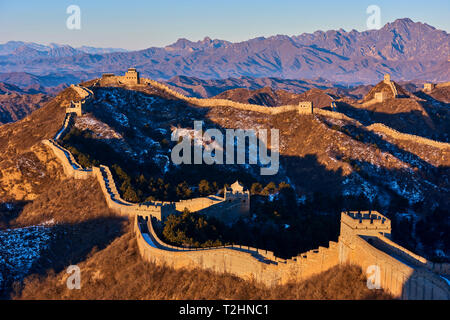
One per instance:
(139, 24)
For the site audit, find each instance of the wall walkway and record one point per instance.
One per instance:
(363, 241)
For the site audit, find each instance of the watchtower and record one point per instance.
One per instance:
(75, 107)
(387, 78)
(367, 223)
(305, 107)
(236, 193)
(429, 87)
(380, 96)
(131, 76)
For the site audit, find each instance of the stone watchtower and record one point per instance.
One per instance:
(237, 194)
(305, 107)
(427, 87)
(360, 223)
(383, 95)
(131, 76)
(367, 223)
(380, 96)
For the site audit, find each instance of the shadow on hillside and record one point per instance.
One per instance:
(308, 176)
(71, 244)
(307, 173)
(369, 137)
(10, 211)
(412, 122)
(430, 98)
(431, 226)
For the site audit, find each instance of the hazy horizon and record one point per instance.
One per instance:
(137, 25)
(192, 40)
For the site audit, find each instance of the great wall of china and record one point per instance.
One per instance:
(363, 241)
(304, 108)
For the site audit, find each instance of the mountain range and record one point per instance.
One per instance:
(406, 49)
(18, 48)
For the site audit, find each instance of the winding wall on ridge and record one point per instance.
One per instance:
(363, 241)
(376, 127)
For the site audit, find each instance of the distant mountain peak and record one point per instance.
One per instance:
(404, 48)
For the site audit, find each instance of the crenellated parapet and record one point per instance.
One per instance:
(400, 272)
(365, 222)
(364, 238)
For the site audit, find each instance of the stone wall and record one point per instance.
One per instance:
(334, 114)
(402, 280)
(379, 127)
(364, 240)
(70, 166)
(442, 84)
(406, 277)
(68, 119)
(214, 205)
(300, 108)
(245, 262)
(77, 106)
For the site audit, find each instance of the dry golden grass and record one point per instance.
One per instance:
(118, 272)
(66, 201)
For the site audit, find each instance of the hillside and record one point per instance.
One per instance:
(413, 113)
(330, 164)
(131, 278)
(268, 97)
(320, 156)
(16, 103)
(203, 88)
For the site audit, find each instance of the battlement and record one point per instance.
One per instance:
(361, 219)
(131, 76)
(305, 107)
(364, 223)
